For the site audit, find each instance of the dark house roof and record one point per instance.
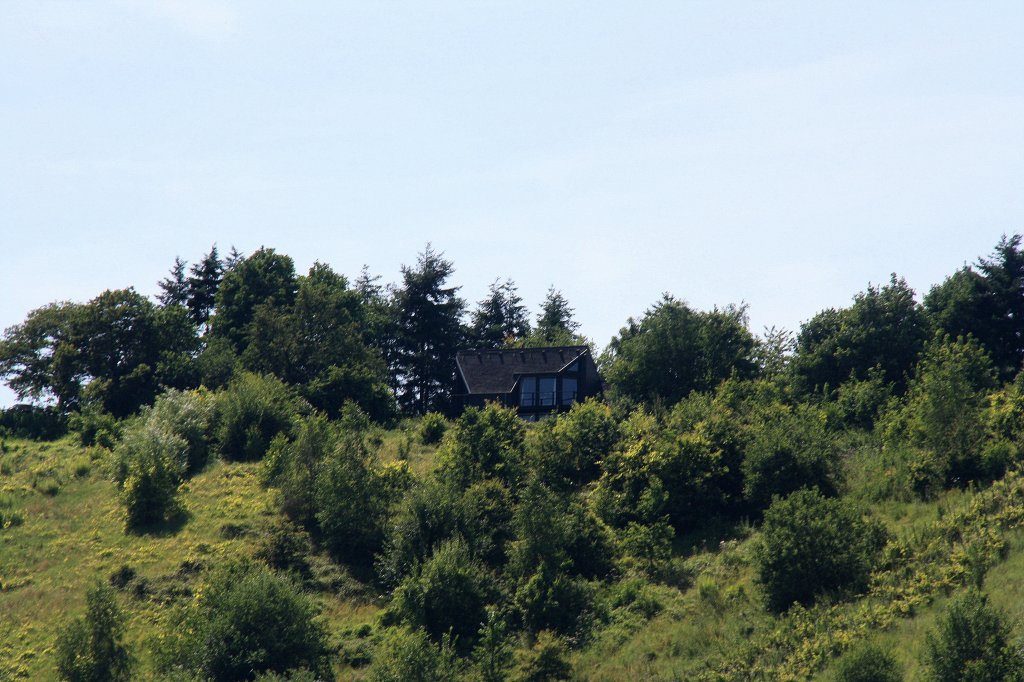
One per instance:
(496, 371)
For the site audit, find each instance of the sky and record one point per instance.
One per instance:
(778, 154)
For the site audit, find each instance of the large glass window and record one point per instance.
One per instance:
(528, 391)
(568, 391)
(546, 391)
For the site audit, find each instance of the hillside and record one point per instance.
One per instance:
(64, 529)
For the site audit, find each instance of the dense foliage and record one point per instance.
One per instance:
(731, 469)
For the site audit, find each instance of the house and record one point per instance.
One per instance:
(536, 381)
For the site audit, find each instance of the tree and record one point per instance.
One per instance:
(247, 620)
(988, 304)
(883, 328)
(115, 351)
(447, 595)
(39, 357)
(971, 642)
(673, 350)
(406, 655)
(556, 325)
(174, 288)
(813, 545)
(203, 282)
(945, 408)
(91, 648)
(500, 318)
(265, 277)
(1004, 277)
(352, 499)
(233, 258)
(429, 333)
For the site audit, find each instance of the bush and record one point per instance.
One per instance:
(447, 595)
(30, 421)
(487, 443)
(90, 649)
(95, 427)
(432, 428)
(428, 515)
(552, 600)
(812, 545)
(546, 661)
(868, 663)
(250, 412)
(247, 620)
(352, 500)
(946, 406)
(409, 656)
(188, 414)
(790, 452)
(150, 463)
(971, 642)
(657, 476)
(566, 452)
(292, 466)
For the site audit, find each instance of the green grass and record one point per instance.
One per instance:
(68, 540)
(61, 528)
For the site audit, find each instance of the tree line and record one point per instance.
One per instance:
(390, 349)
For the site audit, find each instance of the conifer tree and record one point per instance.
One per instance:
(202, 286)
(501, 317)
(429, 333)
(174, 287)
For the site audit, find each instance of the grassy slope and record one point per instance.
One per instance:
(72, 534)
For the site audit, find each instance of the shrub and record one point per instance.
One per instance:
(971, 642)
(188, 414)
(90, 648)
(868, 663)
(546, 661)
(247, 620)
(30, 421)
(352, 500)
(552, 600)
(95, 427)
(485, 519)
(428, 515)
(812, 545)
(250, 412)
(150, 463)
(790, 452)
(566, 451)
(487, 443)
(447, 595)
(432, 428)
(945, 411)
(859, 402)
(409, 656)
(292, 466)
(285, 547)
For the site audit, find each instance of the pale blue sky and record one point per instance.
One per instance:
(783, 154)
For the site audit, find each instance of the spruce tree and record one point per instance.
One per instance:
(174, 287)
(429, 333)
(202, 286)
(501, 317)
(555, 324)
